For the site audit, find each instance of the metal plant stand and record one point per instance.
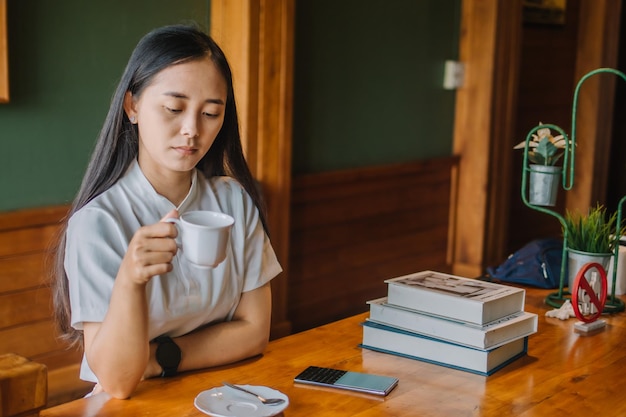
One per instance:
(556, 299)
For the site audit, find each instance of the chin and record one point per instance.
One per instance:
(184, 165)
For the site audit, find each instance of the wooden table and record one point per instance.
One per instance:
(564, 373)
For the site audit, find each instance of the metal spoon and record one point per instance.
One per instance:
(266, 401)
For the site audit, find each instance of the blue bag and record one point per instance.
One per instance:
(537, 264)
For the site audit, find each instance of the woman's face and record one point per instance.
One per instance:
(179, 115)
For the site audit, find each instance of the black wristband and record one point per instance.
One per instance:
(168, 355)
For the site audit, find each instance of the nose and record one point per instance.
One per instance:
(190, 127)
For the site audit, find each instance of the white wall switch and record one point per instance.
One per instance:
(453, 74)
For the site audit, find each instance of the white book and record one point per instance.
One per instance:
(459, 298)
(394, 341)
(488, 336)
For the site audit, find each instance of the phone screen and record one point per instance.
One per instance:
(355, 381)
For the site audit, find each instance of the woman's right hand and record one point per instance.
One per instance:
(150, 251)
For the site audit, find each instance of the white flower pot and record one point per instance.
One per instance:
(577, 259)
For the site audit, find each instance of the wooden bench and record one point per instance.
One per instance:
(23, 386)
(26, 325)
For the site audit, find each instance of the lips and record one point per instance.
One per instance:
(185, 150)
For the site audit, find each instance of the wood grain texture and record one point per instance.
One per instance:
(4, 54)
(23, 386)
(26, 325)
(351, 229)
(545, 95)
(564, 373)
(597, 47)
(473, 133)
(257, 38)
(505, 99)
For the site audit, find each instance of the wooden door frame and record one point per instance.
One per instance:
(4, 54)
(489, 47)
(485, 108)
(257, 37)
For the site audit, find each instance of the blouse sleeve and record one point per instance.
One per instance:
(95, 247)
(250, 241)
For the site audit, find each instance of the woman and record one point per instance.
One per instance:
(170, 144)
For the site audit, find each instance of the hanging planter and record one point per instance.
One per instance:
(543, 151)
(544, 182)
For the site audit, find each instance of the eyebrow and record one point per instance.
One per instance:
(181, 95)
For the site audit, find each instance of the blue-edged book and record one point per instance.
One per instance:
(488, 336)
(387, 339)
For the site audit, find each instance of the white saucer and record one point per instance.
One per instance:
(227, 402)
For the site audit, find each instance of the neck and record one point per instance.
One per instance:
(174, 190)
(172, 185)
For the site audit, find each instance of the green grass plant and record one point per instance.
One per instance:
(594, 232)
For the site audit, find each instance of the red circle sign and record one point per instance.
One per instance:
(584, 294)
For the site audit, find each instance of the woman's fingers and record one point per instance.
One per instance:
(151, 251)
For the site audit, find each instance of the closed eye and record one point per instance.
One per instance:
(171, 110)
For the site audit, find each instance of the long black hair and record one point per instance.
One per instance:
(117, 144)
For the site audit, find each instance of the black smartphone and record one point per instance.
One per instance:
(349, 380)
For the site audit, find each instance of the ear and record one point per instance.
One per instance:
(129, 105)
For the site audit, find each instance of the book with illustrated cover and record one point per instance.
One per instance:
(454, 297)
(488, 336)
(394, 341)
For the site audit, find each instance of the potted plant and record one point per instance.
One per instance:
(544, 152)
(590, 238)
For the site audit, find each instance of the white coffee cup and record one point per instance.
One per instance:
(203, 236)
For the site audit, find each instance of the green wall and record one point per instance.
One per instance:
(65, 58)
(368, 82)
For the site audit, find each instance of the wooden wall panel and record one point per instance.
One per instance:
(30, 340)
(20, 272)
(26, 240)
(26, 324)
(350, 230)
(20, 307)
(59, 360)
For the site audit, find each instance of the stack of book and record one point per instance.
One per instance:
(458, 322)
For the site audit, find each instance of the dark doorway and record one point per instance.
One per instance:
(616, 186)
(545, 92)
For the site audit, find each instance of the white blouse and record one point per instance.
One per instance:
(185, 298)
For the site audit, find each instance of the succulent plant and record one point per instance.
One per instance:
(545, 148)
